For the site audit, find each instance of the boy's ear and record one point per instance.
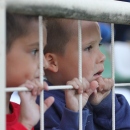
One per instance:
(52, 62)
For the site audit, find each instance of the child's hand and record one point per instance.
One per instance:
(105, 86)
(84, 88)
(30, 111)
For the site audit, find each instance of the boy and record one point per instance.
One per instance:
(22, 69)
(63, 67)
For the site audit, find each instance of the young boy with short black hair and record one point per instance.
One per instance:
(22, 69)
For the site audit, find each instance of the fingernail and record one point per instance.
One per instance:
(76, 87)
(35, 93)
(95, 91)
(29, 86)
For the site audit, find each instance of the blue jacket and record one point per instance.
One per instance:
(99, 117)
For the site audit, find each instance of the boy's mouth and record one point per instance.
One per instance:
(99, 73)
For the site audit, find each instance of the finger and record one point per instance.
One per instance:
(73, 83)
(109, 83)
(35, 88)
(76, 85)
(92, 88)
(28, 84)
(85, 83)
(48, 102)
(80, 89)
(94, 85)
(95, 91)
(101, 84)
(45, 85)
(20, 93)
(40, 87)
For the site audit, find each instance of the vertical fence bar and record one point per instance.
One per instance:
(41, 70)
(80, 71)
(113, 76)
(2, 63)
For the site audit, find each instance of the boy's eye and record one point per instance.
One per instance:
(34, 52)
(100, 44)
(88, 48)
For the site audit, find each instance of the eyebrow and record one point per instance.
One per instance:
(36, 44)
(92, 42)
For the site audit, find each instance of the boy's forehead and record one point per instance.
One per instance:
(72, 25)
(90, 31)
(88, 24)
(87, 27)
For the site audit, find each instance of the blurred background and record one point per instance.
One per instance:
(121, 56)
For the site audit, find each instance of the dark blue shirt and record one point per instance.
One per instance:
(99, 117)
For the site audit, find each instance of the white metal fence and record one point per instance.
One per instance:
(96, 10)
(2, 63)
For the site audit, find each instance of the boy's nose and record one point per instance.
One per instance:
(101, 57)
(45, 63)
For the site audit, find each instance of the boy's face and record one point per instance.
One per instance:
(92, 58)
(22, 60)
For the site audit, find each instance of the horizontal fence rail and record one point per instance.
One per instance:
(11, 89)
(93, 10)
(122, 84)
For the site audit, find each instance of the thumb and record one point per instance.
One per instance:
(48, 102)
(93, 86)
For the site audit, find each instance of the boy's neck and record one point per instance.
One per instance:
(8, 95)
(55, 80)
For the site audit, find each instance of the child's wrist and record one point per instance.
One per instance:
(72, 109)
(26, 124)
